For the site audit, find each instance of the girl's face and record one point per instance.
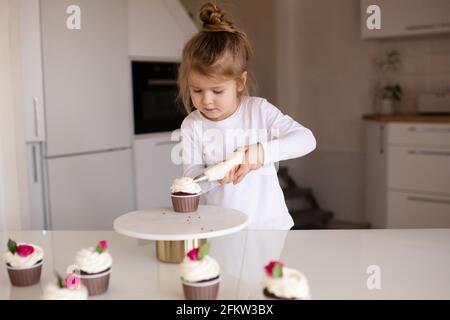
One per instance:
(215, 98)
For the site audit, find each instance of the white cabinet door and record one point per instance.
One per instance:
(31, 68)
(155, 170)
(420, 169)
(88, 192)
(148, 18)
(87, 77)
(407, 17)
(418, 210)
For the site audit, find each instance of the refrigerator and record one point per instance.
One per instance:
(77, 100)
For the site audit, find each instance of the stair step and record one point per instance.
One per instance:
(296, 192)
(311, 219)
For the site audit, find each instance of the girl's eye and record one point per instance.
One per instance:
(197, 91)
(217, 92)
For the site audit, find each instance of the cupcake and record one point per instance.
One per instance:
(94, 267)
(69, 288)
(284, 283)
(185, 195)
(200, 275)
(24, 263)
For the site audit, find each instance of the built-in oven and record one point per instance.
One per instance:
(155, 103)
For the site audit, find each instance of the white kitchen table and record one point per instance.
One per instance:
(409, 264)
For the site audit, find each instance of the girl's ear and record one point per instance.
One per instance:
(242, 80)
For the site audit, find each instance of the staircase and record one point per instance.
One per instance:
(302, 204)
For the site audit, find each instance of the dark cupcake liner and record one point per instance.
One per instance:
(25, 277)
(185, 203)
(96, 284)
(201, 290)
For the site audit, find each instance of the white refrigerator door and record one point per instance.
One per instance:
(36, 186)
(87, 76)
(31, 68)
(88, 192)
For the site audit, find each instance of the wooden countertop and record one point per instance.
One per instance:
(407, 118)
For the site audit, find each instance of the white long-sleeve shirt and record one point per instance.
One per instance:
(259, 195)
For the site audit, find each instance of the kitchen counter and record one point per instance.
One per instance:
(413, 264)
(407, 118)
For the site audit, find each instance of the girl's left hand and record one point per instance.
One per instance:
(253, 160)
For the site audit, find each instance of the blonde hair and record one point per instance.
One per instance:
(219, 49)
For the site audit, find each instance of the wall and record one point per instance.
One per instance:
(257, 19)
(425, 66)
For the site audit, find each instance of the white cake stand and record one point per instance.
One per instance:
(176, 232)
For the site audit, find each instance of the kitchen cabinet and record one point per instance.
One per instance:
(158, 29)
(407, 18)
(408, 175)
(155, 170)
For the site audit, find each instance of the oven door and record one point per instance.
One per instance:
(156, 107)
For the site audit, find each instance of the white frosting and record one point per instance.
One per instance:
(186, 185)
(292, 284)
(90, 261)
(199, 270)
(54, 292)
(218, 171)
(16, 261)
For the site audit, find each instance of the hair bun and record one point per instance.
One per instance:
(210, 14)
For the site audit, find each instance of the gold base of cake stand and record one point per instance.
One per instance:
(175, 251)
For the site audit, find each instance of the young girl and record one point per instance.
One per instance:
(213, 78)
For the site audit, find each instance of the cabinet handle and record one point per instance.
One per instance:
(162, 82)
(420, 27)
(423, 199)
(382, 139)
(429, 153)
(164, 143)
(35, 175)
(429, 129)
(36, 122)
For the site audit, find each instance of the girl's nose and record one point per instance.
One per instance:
(207, 99)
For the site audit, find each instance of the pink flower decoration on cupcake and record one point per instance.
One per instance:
(24, 250)
(193, 254)
(274, 269)
(72, 282)
(199, 253)
(102, 246)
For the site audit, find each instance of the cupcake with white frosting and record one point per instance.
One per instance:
(185, 194)
(94, 266)
(24, 263)
(200, 274)
(69, 288)
(282, 283)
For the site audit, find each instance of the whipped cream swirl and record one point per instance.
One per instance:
(16, 261)
(90, 261)
(54, 292)
(292, 284)
(199, 270)
(186, 185)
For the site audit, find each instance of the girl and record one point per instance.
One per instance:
(213, 78)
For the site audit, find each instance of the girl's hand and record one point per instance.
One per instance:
(253, 160)
(229, 177)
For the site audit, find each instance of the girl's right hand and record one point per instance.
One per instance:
(229, 177)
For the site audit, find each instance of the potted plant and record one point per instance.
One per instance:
(391, 94)
(387, 91)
